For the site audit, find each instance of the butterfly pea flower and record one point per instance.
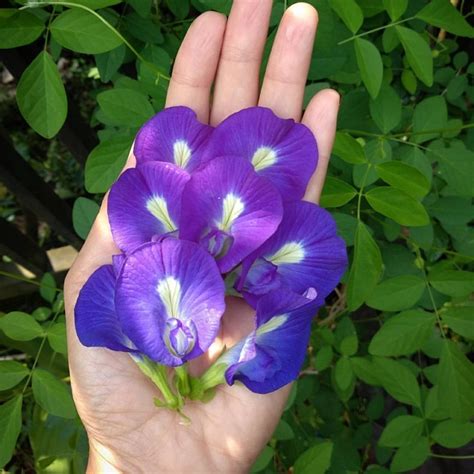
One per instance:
(164, 300)
(229, 209)
(271, 356)
(281, 150)
(175, 136)
(144, 203)
(304, 253)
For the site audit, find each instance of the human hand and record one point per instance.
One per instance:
(127, 432)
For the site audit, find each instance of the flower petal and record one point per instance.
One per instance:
(144, 202)
(170, 298)
(305, 249)
(272, 356)
(229, 209)
(173, 135)
(96, 321)
(281, 150)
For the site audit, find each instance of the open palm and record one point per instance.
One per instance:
(127, 432)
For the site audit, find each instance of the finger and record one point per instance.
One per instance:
(196, 63)
(321, 117)
(237, 77)
(287, 69)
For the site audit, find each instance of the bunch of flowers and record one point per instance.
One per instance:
(209, 212)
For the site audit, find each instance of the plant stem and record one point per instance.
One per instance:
(365, 33)
(40, 348)
(157, 374)
(183, 380)
(449, 456)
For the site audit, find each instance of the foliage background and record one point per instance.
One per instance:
(388, 385)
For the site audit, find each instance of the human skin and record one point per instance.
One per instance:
(127, 432)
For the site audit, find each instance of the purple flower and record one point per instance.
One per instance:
(174, 135)
(305, 252)
(229, 209)
(166, 303)
(145, 202)
(281, 150)
(272, 355)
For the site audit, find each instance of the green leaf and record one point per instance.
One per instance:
(105, 162)
(20, 326)
(125, 107)
(348, 149)
(404, 177)
(41, 96)
(395, 8)
(19, 29)
(402, 431)
(460, 319)
(82, 32)
(143, 29)
(365, 270)
(398, 381)
(315, 460)
(386, 109)
(398, 206)
(42, 313)
(323, 358)
(57, 338)
(283, 431)
(418, 54)
(455, 167)
(364, 370)
(455, 283)
(349, 12)
(430, 114)
(346, 227)
(336, 193)
(349, 345)
(370, 65)
(408, 458)
(52, 395)
(142, 7)
(444, 15)
(48, 287)
(109, 63)
(456, 372)
(343, 373)
(403, 334)
(84, 213)
(433, 409)
(179, 8)
(453, 434)
(11, 373)
(263, 460)
(409, 81)
(395, 294)
(10, 423)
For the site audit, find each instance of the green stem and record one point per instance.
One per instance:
(157, 374)
(449, 456)
(213, 377)
(106, 23)
(428, 287)
(40, 348)
(406, 133)
(365, 33)
(359, 198)
(27, 280)
(46, 37)
(183, 380)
